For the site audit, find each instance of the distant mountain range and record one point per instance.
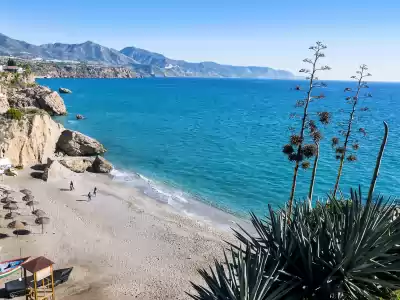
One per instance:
(140, 60)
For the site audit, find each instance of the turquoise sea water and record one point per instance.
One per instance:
(220, 140)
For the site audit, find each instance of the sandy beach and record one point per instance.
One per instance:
(122, 244)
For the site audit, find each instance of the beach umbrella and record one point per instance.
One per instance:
(19, 229)
(28, 198)
(39, 213)
(16, 225)
(3, 236)
(11, 215)
(26, 192)
(32, 204)
(42, 221)
(8, 199)
(10, 206)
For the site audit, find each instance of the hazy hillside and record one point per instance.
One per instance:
(140, 60)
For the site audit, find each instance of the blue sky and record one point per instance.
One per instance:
(263, 33)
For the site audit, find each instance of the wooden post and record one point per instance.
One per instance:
(26, 285)
(52, 282)
(35, 285)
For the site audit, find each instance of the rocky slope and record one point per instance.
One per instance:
(142, 62)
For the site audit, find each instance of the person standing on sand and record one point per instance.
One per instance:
(89, 197)
(95, 191)
(71, 186)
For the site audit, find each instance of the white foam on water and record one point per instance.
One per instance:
(179, 200)
(151, 188)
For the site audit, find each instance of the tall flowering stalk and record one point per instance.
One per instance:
(342, 151)
(296, 150)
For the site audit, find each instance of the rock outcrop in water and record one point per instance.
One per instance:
(74, 143)
(39, 97)
(30, 140)
(64, 91)
(101, 165)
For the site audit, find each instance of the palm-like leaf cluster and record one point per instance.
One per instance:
(344, 250)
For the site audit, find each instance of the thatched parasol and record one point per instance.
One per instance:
(26, 192)
(16, 225)
(3, 236)
(39, 213)
(11, 215)
(10, 206)
(19, 232)
(42, 221)
(28, 198)
(19, 229)
(32, 204)
(8, 199)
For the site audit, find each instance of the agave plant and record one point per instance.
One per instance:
(344, 250)
(247, 275)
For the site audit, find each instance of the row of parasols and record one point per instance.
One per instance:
(10, 204)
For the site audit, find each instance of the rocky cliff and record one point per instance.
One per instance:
(20, 91)
(29, 140)
(62, 70)
(38, 97)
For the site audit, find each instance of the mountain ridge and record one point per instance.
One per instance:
(140, 60)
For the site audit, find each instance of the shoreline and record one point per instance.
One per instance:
(180, 201)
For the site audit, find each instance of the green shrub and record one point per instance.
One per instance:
(15, 79)
(34, 111)
(14, 114)
(11, 62)
(31, 84)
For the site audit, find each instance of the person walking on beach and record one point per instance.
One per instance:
(95, 191)
(71, 186)
(89, 197)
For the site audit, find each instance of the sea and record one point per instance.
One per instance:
(219, 141)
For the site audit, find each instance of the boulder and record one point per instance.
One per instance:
(39, 97)
(101, 165)
(30, 140)
(64, 91)
(56, 171)
(77, 165)
(74, 143)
